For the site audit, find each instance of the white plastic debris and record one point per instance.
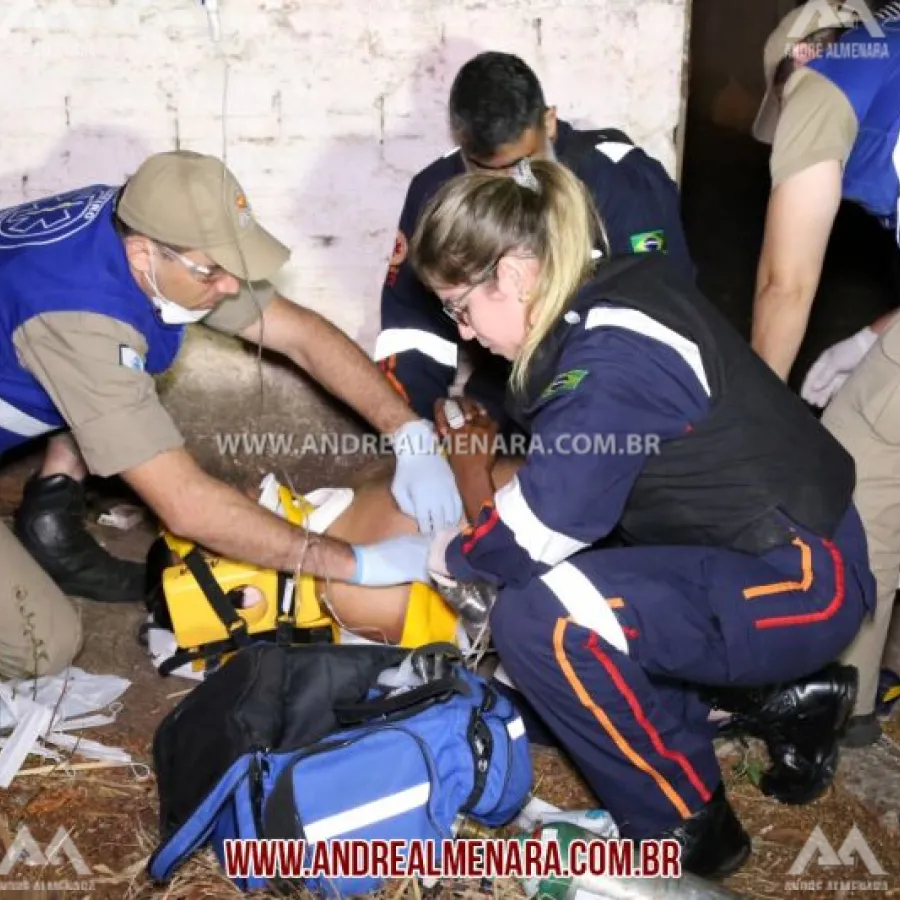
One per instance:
(123, 516)
(161, 645)
(537, 812)
(46, 710)
(70, 694)
(34, 721)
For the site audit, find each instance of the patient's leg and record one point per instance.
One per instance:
(378, 613)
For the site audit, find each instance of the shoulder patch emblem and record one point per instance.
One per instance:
(566, 381)
(401, 248)
(398, 257)
(130, 358)
(649, 242)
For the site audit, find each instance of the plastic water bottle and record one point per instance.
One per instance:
(610, 887)
(562, 834)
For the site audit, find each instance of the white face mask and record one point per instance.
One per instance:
(171, 313)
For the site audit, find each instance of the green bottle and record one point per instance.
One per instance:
(562, 834)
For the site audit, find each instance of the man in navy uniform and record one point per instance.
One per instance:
(498, 116)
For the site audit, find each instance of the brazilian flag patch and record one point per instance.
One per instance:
(567, 381)
(649, 242)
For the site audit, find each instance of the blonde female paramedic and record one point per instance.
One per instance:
(739, 572)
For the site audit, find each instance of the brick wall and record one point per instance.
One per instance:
(333, 104)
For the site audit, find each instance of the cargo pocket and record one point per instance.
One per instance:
(878, 388)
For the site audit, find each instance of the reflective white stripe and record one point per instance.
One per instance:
(532, 535)
(503, 677)
(643, 324)
(399, 340)
(586, 605)
(376, 811)
(17, 422)
(516, 728)
(615, 150)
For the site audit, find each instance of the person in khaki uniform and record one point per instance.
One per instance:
(865, 417)
(832, 115)
(96, 288)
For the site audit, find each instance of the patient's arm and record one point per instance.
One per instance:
(378, 613)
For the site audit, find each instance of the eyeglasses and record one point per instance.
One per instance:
(204, 274)
(458, 309)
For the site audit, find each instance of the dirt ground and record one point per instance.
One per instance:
(111, 813)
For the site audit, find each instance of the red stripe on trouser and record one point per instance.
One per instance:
(823, 614)
(644, 722)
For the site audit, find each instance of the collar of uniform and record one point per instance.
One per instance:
(564, 145)
(545, 362)
(598, 290)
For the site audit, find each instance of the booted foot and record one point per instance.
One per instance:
(801, 723)
(50, 524)
(713, 841)
(862, 731)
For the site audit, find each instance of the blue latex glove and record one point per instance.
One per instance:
(398, 560)
(424, 486)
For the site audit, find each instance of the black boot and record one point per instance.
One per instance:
(801, 724)
(713, 842)
(50, 523)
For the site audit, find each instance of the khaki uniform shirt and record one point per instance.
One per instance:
(817, 123)
(113, 409)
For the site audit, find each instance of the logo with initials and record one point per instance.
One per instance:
(828, 14)
(26, 849)
(52, 219)
(818, 848)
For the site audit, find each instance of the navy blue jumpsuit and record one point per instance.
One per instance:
(608, 644)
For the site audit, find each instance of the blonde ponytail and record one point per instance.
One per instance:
(572, 228)
(475, 220)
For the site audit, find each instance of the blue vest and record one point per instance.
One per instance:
(866, 68)
(62, 254)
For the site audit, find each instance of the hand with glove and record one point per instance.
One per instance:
(437, 553)
(835, 366)
(398, 560)
(424, 486)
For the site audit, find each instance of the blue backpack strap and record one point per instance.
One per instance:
(197, 830)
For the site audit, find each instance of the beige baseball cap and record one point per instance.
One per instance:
(193, 201)
(797, 25)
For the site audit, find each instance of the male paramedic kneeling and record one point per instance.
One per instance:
(97, 287)
(498, 115)
(743, 572)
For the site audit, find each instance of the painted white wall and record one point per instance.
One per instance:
(333, 104)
